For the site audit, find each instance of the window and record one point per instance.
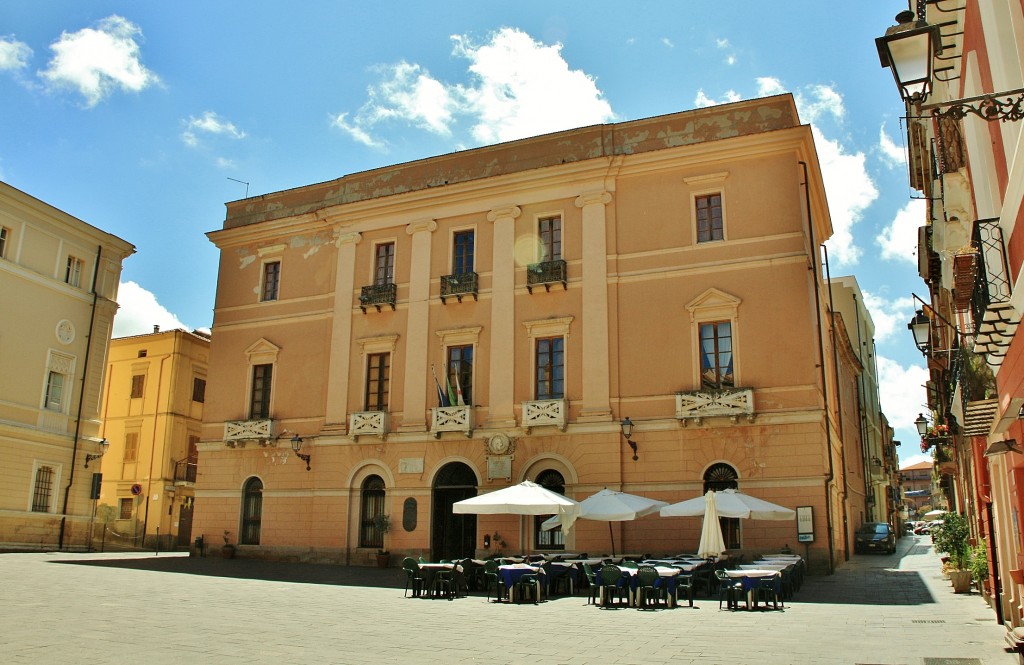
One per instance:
(722, 477)
(550, 231)
(259, 402)
(252, 512)
(125, 506)
(271, 279)
(550, 368)
(554, 539)
(716, 358)
(460, 373)
(73, 276)
(384, 263)
(54, 400)
(138, 384)
(378, 373)
(462, 259)
(5, 235)
(42, 492)
(371, 507)
(131, 447)
(198, 389)
(709, 217)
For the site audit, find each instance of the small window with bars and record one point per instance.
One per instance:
(42, 491)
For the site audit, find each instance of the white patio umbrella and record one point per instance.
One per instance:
(934, 515)
(731, 503)
(526, 498)
(612, 506)
(712, 543)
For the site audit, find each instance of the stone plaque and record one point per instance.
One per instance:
(410, 465)
(409, 514)
(499, 466)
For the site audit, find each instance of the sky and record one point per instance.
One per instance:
(145, 118)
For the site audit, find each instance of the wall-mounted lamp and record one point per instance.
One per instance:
(487, 541)
(920, 326)
(909, 50)
(921, 424)
(1001, 447)
(627, 431)
(89, 457)
(296, 447)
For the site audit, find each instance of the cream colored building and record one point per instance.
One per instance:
(663, 269)
(152, 415)
(58, 284)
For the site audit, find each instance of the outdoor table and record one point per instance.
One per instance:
(750, 577)
(560, 569)
(509, 574)
(765, 565)
(430, 571)
(667, 582)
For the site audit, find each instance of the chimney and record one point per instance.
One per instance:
(156, 329)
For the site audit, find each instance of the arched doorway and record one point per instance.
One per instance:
(554, 539)
(452, 536)
(720, 477)
(252, 511)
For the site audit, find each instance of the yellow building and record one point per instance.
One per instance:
(152, 415)
(58, 284)
(423, 332)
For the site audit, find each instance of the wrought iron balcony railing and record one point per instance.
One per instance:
(185, 470)
(545, 274)
(734, 403)
(995, 320)
(377, 295)
(451, 419)
(457, 286)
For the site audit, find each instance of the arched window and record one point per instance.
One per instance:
(371, 507)
(553, 539)
(722, 477)
(252, 511)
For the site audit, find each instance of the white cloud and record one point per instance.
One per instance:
(902, 392)
(209, 123)
(892, 154)
(769, 85)
(850, 191)
(138, 311)
(13, 54)
(96, 62)
(899, 240)
(889, 316)
(731, 60)
(702, 100)
(518, 87)
(667, 42)
(225, 163)
(721, 42)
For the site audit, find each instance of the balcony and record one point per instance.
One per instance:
(545, 274)
(451, 419)
(542, 412)
(373, 423)
(185, 471)
(995, 320)
(458, 286)
(377, 295)
(732, 403)
(238, 432)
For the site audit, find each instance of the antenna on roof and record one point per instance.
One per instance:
(244, 183)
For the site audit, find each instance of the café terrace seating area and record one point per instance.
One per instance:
(637, 581)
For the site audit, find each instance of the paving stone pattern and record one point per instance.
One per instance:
(155, 609)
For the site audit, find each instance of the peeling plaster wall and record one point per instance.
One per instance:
(626, 138)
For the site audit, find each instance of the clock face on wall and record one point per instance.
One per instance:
(498, 444)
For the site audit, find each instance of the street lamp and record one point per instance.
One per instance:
(296, 447)
(89, 457)
(921, 424)
(920, 326)
(627, 431)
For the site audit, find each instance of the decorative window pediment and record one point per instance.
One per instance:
(262, 352)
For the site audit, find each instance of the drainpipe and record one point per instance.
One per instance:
(839, 407)
(81, 401)
(830, 477)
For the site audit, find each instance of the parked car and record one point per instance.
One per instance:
(874, 537)
(923, 528)
(910, 526)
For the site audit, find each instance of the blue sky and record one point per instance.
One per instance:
(141, 118)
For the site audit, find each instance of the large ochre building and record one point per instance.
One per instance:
(58, 285)
(393, 341)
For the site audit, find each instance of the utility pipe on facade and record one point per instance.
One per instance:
(81, 401)
(830, 477)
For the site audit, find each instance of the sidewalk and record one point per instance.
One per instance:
(169, 608)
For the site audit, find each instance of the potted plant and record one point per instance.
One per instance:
(953, 538)
(979, 565)
(383, 524)
(228, 551)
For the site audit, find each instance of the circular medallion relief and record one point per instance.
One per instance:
(498, 444)
(65, 331)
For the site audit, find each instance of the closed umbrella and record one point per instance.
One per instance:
(712, 543)
(731, 503)
(526, 498)
(612, 506)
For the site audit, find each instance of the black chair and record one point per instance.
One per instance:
(648, 587)
(612, 583)
(684, 585)
(413, 578)
(591, 576)
(767, 589)
(729, 589)
(529, 583)
(491, 576)
(443, 584)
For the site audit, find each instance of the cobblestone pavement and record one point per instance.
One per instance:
(168, 608)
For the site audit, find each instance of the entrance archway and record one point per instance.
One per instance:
(452, 536)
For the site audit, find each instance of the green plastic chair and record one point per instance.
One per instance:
(728, 589)
(648, 587)
(491, 576)
(528, 583)
(412, 577)
(612, 583)
(591, 582)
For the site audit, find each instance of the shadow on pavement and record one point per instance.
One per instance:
(878, 587)
(275, 571)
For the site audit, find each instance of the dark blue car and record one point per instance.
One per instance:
(875, 537)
